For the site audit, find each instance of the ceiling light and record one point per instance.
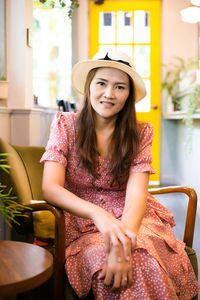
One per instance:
(191, 14)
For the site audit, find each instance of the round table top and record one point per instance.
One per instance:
(23, 267)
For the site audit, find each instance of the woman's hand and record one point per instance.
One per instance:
(119, 274)
(115, 233)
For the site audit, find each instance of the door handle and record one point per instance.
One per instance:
(154, 106)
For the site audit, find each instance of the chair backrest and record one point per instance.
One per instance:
(26, 171)
(30, 156)
(26, 179)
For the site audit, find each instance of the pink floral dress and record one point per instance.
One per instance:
(161, 268)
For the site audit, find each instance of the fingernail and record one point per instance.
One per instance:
(128, 258)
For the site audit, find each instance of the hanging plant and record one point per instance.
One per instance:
(70, 4)
(191, 107)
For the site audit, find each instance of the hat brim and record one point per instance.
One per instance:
(81, 70)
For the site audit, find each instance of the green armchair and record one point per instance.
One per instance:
(47, 221)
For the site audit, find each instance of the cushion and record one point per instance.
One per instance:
(44, 224)
(193, 259)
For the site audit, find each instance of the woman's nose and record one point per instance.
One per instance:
(109, 92)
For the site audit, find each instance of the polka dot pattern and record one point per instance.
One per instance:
(161, 268)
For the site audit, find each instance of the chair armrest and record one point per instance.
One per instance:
(59, 258)
(191, 209)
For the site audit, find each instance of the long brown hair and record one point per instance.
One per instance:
(124, 142)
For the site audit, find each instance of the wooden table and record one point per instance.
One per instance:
(23, 267)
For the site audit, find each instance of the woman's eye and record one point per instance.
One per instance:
(101, 83)
(120, 87)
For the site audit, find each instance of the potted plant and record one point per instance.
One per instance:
(9, 208)
(175, 78)
(191, 106)
(3, 88)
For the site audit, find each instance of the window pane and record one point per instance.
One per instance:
(141, 27)
(126, 49)
(51, 55)
(107, 27)
(2, 39)
(124, 27)
(145, 104)
(142, 60)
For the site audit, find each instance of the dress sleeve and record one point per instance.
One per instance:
(59, 139)
(143, 160)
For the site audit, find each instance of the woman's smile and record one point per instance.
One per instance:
(107, 103)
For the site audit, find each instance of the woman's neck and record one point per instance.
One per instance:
(104, 125)
(104, 130)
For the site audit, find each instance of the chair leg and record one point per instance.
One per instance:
(59, 285)
(24, 296)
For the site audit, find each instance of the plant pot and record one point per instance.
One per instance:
(3, 89)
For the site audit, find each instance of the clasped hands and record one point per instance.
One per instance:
(119, 241)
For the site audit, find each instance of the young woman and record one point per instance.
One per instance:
(119, 240)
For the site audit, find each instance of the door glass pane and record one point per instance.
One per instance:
(145, 104)
(107, 27)
(141, 27)
(142, 60)
(126, 49)
(124, 27)
(106, 47)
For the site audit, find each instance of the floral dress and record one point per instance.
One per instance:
(161, 268)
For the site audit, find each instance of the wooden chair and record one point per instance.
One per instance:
(25, 178)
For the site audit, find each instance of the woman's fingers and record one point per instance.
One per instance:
(130, 277)
(126, 243)
(116, 282)
(132, 236)
(116, 246)
(124, 280)
(102, 274)
(108, 278)
(107, 242)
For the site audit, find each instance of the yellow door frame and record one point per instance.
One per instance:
(153, 7)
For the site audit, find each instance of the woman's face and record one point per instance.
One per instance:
(109, 90)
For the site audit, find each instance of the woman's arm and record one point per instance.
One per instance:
(113, 230)
(120, 273)
(55, 193)
(135, 203)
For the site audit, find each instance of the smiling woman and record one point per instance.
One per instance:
(119, 240)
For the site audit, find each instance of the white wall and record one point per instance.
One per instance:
(177, 38)
(177, 166)
(19, 55)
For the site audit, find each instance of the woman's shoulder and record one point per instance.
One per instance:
(65, 116)
(64, 124)
(145, 128)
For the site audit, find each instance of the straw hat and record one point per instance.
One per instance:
(112, 59)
